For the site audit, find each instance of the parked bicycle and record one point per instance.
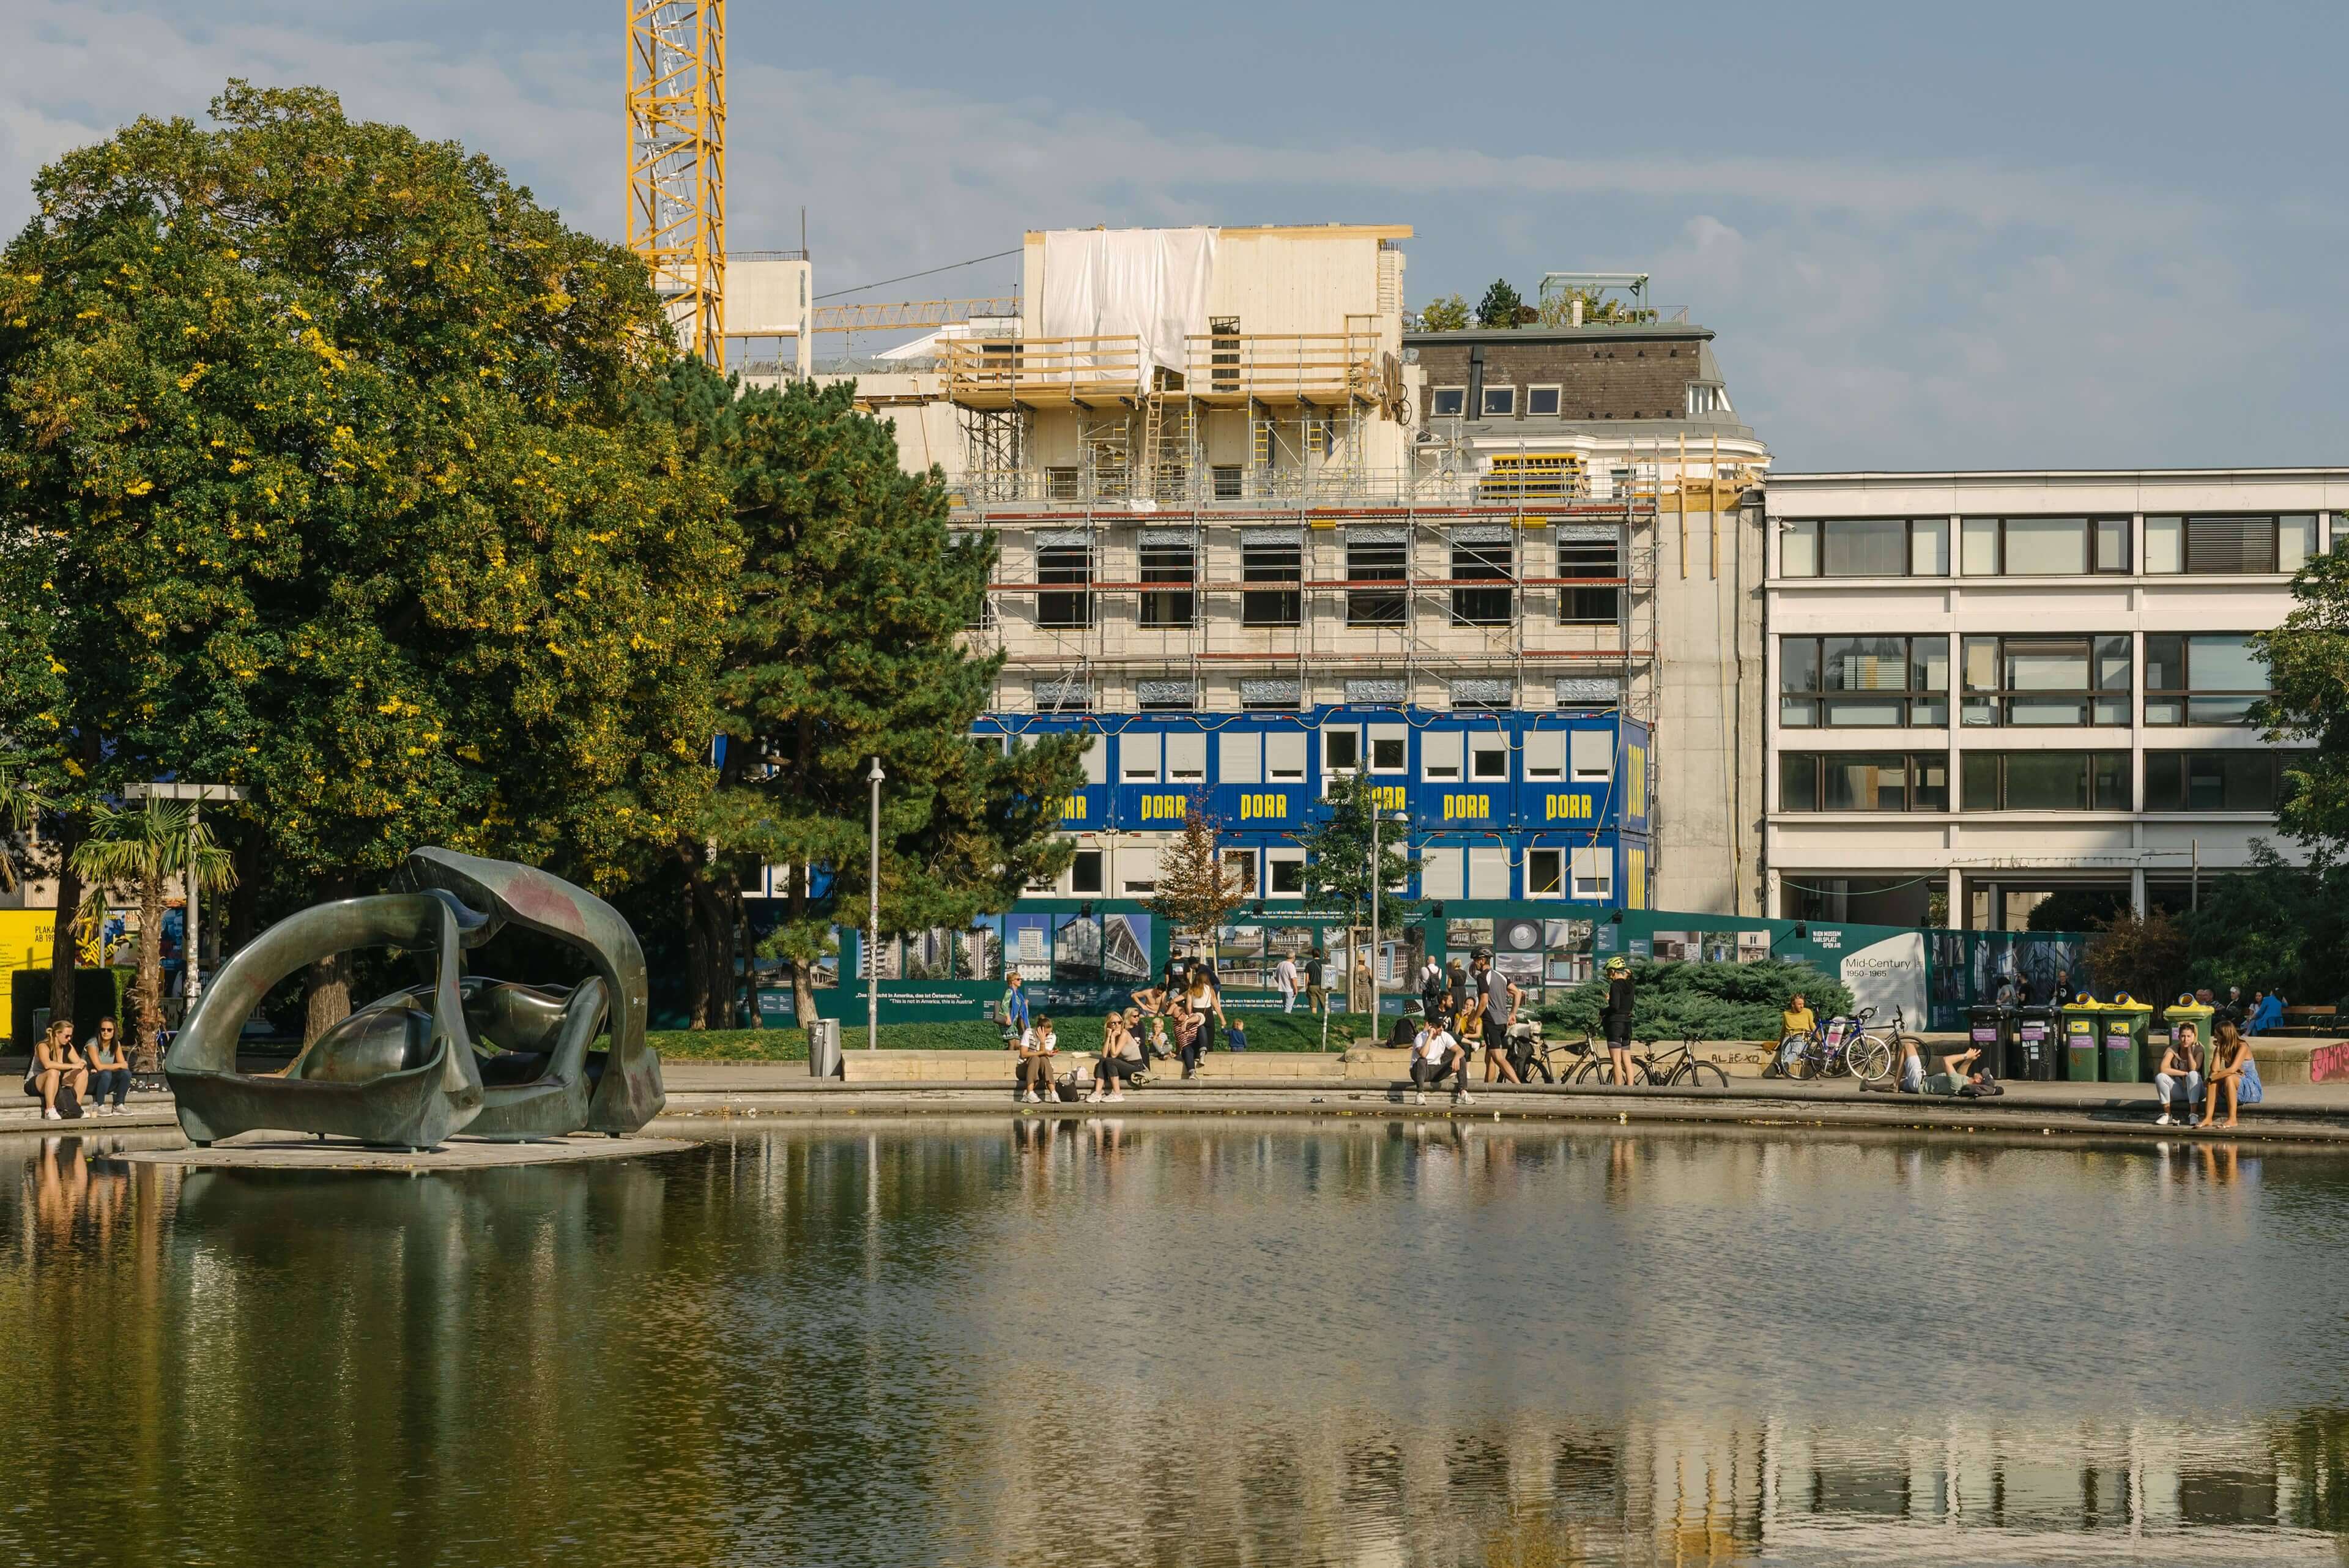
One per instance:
(1598, 1067)
(1839, 1047)
(1682, 1065)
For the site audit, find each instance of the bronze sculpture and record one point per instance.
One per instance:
(455, 1054)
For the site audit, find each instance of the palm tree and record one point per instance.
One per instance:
(150, 846)
(21, 805)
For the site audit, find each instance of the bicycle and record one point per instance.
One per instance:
(1686, 1067)
(1872, 1055)
(1598, 1067)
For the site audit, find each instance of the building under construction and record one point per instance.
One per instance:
(1255, 534)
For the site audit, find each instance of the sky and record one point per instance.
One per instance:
(1982, 236)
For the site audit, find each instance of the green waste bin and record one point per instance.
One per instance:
(2083, 1023)
(2189, 1011)
(2126, 1024)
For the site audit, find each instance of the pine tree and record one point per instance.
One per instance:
(1501, 307)
(844, 640)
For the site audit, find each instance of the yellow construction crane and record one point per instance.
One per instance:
(677, 162)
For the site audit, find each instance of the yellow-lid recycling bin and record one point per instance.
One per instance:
(2124, 1024)
(2082, 1018)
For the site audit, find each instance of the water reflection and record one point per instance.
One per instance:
(1093, 1340)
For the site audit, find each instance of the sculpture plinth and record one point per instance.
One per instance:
(456, 1054)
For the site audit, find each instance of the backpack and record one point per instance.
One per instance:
(69, 1102)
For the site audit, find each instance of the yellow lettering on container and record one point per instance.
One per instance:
(1074, 809)
(1460, 806)
(1254, 806)
(1165, 807)
(1573, 807)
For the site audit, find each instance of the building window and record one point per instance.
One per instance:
(2211, 679)
(2043, 547)
(2027, 682)
(1863, 781)
(1239, 869)
(1481, 694)
(2251, 545)
(1387, 749)
(1341, 751)
(1229, 486)
(1545, 873)
(1447, 402)
(1223, 353)
(1060, 484)
(1085, 872)
(1500, 402)
(1541, 402)
(1708, 397)
(1064, 564)
(1492, 563)
(1186, 756)
(1488, 758)
(1440, 755)
(1284, 757)
(1283, 873)
(1376, 560)
(1137, 758)
(2047, 781)
(1169, 561)
(1441, 872)
(1271, 561)
(1590, 550)
(1593, 869)
(2214, 781)
(1864, 547)
(1852, 682)
(1593, 752)
(1271, 693)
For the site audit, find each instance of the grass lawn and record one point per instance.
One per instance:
(1265, 1032)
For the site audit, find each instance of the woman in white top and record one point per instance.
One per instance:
(1121, 1056)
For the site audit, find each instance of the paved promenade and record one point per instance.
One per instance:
(708, 1098)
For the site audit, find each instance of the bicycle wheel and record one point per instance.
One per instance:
(1595, 1069)
(1539, 1064)
(1871, 1059)
(1704, 1074)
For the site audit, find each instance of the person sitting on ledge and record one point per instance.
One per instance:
(1235, 1036)
(109, 1070)
(2234, 1075)
(1434, 1056)
(1190, 1036)
(2181, 1069)
(1406, 1030)
(1154, 1044)
(1038, 1052)
(56, 1065)
(1121, 1056)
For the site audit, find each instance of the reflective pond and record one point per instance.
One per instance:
(1213, 1341)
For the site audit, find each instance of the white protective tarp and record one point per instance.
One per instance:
(1146, 283)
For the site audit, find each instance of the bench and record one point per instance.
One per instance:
(1001, 1067)
(2308, 1021)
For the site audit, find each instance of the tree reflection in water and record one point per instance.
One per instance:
(1123, 1339)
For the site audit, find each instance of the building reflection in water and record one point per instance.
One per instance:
(1116, 1339)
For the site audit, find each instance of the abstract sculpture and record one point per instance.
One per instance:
(455, 1054)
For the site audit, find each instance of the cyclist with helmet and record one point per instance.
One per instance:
(1617, 1018)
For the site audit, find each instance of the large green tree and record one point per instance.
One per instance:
(845, 640)
(2308, 670)
(324, 469)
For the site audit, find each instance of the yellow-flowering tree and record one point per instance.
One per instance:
(323, 470)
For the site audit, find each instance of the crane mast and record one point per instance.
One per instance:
(676, 163)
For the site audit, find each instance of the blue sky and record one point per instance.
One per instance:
(1981, 236)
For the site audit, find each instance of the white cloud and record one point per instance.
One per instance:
(1871, 313)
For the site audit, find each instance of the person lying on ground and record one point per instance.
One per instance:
(2180, 1070)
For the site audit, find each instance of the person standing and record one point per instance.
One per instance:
(1361, 1002)
(1457, 984)
(1617, 1018)
(1316, 982)
(1499, 1001)
(1284, 979)
(2181, 1069)
(1431, 986)
(109, 1070)
(1012, 1012)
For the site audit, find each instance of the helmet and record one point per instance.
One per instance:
(1619, 964)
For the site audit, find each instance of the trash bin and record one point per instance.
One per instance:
(2082, 1022)
(2189, 1011)
(2123, 1028)
(2032, 1052)
(823, 1048)
(1991, 1030)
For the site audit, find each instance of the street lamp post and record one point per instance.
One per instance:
(872, 921)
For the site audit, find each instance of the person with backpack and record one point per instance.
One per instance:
(1615, 1019)
(56, 1075)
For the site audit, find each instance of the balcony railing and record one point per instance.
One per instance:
(1243, 488)
(1319, 370)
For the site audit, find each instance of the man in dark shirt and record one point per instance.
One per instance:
(1500, 1007)
(1617, 1018)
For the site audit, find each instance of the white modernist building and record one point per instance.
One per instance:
(1992, 687)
